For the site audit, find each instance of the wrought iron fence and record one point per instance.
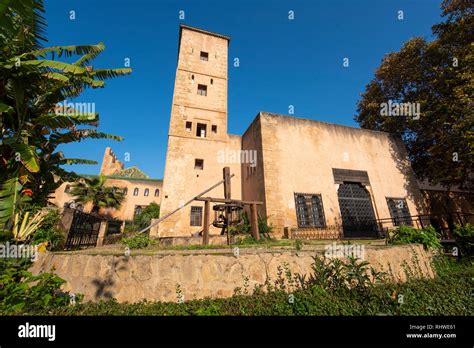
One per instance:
(84, 230)
(443, 223)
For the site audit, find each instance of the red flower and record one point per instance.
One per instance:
(28, 192)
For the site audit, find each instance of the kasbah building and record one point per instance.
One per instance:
(138, 188)
(311, 176)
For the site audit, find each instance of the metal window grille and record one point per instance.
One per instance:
(196, 216)
(399, 211)
(309, 210)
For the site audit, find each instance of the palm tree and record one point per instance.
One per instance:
(32, 82)
(93, 190)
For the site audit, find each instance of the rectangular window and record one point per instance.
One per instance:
(202, 90)
(189, 125)
(201, 130)
(199, 164)
(309, 210)
(196, 216)
(214, 128)
(204, 56)
(399, 211)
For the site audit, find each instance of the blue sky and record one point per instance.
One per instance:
(282, 62)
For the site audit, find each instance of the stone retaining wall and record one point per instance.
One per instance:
(130, 279)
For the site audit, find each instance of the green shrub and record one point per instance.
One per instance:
(464, 236)
(448, 294)
(54, 237)
(334, 274)
(48, 232)
(263, 227)
(298, 244)
(143, 219)
(137, 242)
(21, 291)
(245, 227)
(407, 235)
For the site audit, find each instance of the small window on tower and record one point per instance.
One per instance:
(202, 90)
(204, 56)
(188, 126)
(212, 81)
(201, 130)
(199, 164)
(214, 128)
(196, 216)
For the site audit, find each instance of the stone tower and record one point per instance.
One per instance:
(110, 163)
(198, 131)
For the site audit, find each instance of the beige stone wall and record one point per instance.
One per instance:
(299, 155)
(181, 180)
(253, 184)
(126, 211)
(200, 275)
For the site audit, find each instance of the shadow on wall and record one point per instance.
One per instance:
(104, 286)
(400, 156)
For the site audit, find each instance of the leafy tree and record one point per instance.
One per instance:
(32, 83)
(143, 219)
(439, 76)
(94, 190)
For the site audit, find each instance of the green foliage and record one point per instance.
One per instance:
(446, 265)
(53, 236)
(245, 227)
(298, 244)
(47, 232)
(9, 199)
(94, 190)
(439, 77)
(263, 227)
(333, 274)
(465, 239)
(137, 242)
(32, 83)
(448, 294)
(143, 219)
(407, 235)
(22, 292)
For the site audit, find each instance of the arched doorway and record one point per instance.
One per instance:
(358, 219)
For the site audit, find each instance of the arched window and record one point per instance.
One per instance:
(67, 189)
(147, 192)
(135, 191)
(125, 191)
(157, 192)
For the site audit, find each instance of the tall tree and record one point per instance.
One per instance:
(32, 83)
(94, 191)
(438, 78)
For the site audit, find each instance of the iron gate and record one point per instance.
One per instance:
(84, 230)
(358, 219)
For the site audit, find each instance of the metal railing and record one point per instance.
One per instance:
(444, 223)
